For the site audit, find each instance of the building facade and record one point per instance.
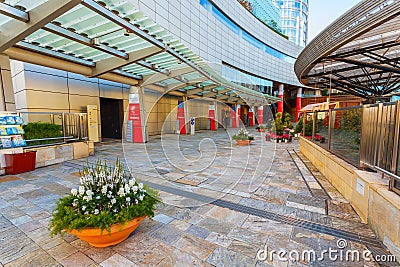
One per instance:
(230, 39)
(268, 11)
(294, 15)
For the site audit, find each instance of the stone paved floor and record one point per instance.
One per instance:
(187, 231)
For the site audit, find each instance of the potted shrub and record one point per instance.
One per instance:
(243, 138)
(106, 208)
(261, 128)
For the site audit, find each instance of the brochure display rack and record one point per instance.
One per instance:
(13, 158)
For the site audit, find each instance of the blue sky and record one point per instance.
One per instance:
(324, 12)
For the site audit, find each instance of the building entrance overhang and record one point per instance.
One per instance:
(112, 40)
(358, 53)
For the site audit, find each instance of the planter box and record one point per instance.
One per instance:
(81, 150)
(20, 162)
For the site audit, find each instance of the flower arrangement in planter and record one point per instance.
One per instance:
(106, 208)
(243, 138)
(261, 128)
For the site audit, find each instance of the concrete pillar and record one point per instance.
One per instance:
(251, 116)
(238, 119)
(260, 115)
(136, 128)
(280, 95)
(298, 102)
(234, 117)
(211, 118)
(7, 99)
(180, 117)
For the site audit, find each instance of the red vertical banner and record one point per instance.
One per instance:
(134, 116)
(251, 118)
(280, 95)
(260, 115)
(298, 103)
(181, 117)
(233, 117)
(211, 117)
(298, 107)
(238, 115)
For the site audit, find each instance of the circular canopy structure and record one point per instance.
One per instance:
(358, 53)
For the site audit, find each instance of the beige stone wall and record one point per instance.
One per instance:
(367, 192)
(41, 89)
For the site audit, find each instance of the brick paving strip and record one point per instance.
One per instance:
(200, 225)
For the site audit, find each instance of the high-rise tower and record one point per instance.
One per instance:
(294, 20)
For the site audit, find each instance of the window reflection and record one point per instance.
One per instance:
(245, 35)
(253, 82)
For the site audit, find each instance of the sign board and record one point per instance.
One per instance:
(192, 125)
(93, 123)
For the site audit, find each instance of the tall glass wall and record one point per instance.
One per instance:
(267, 11)
(232, 26)
(247, 80)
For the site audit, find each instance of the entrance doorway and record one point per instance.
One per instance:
(111, 111)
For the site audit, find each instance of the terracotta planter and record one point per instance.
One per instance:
(243, 142)
(118, 233)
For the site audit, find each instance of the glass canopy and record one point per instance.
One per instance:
(115, 37)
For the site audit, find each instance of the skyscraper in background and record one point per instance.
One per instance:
(294, 20)
(268, 11)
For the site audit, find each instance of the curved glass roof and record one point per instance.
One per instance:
(115, 37)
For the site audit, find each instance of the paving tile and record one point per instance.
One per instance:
(244, 248)
(117, 260)
(224, 257)
(162, 218)
(195, 246)
(99, 255)
(36, 258)
(146, 252)
(167, 234)
(62, 251)
(248, 236)
(181, 225)
(180, 258)
(198, 231)
(219, 239)
(76, 259)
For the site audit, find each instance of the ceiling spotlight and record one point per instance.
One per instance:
(126, 33)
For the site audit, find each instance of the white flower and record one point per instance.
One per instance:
(135, 189)
(81, 190)
(83, 208)
(104, 189)
(132, 182)
(96, 211)
(98, 197)
(141, 197)
(127, 189)
(89, 192)
(113, 201)
(121, 192)
(136, 201)
(86, 212)
(74, 192)
(141, 185)
(128, 199)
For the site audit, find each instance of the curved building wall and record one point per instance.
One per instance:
(246, 44)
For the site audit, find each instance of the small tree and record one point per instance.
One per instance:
(299, 125)
(278, 124)
(287, 121)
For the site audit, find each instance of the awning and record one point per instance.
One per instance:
(320, 106)
(112, 40)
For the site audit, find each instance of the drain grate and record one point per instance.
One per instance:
(372, 243)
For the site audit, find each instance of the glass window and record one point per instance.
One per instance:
(245, 35)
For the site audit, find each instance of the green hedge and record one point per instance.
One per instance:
(39, 130)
